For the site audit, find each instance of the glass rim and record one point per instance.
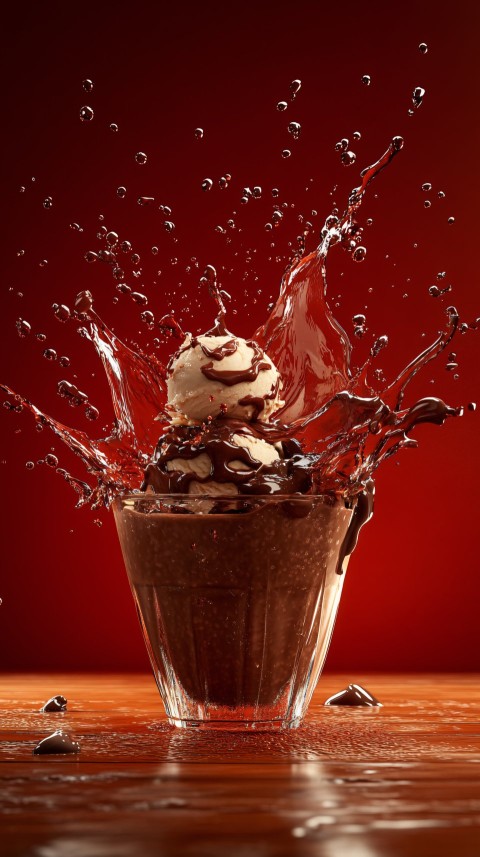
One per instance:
(151, 496)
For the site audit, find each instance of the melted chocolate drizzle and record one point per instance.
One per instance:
(230, 377)
(289, 474)
(362, 512)
(220, 351)
(257, 403)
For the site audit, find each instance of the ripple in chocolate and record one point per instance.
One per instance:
(55, 703)
(354, 694)
(57, 743)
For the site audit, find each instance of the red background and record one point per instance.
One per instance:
(411, 598)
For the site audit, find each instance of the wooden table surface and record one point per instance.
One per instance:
(351, 782)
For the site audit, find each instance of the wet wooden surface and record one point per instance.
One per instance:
(402, 780)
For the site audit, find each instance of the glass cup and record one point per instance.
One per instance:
(237, 598)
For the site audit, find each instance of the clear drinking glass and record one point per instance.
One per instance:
(237, 607)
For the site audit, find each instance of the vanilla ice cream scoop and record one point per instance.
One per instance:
(213, 376)
(203, 468)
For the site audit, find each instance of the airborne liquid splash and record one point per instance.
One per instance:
(351, 426)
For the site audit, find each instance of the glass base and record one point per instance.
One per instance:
(236, 725)
(237, 608)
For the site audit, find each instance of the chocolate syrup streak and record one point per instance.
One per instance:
(343, 423)
(288, 474)
(230, 377)
(220, 351)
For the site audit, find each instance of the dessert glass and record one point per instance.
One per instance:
(237, 607)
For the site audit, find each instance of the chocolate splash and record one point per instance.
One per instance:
(57, 743)
(55, 703)
(354, 694)
(343, 420)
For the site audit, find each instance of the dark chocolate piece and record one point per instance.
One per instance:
(354, 694)
(55, 703)
(58, 742)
